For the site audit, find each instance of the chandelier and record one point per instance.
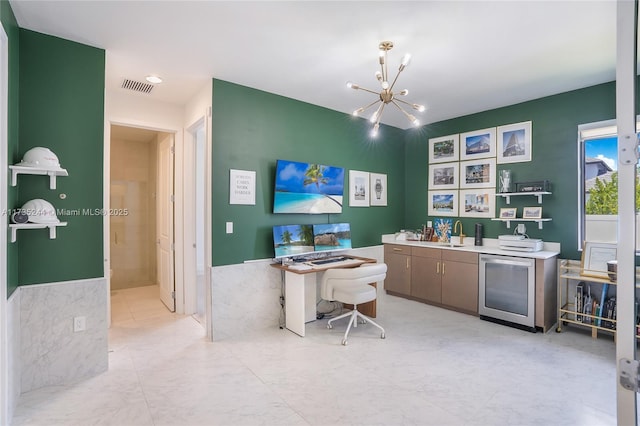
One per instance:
(386, 96)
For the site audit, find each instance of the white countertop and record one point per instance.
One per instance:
(490, 246)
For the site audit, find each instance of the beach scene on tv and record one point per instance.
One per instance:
(292, 240)
(308, 188)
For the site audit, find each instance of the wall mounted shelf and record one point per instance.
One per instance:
(518, 219)
(508, 195)
(25, 170)
(52, 228)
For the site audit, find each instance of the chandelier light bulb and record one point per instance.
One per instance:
(374, 131)
(404, 92)
(374, 117)
(419, 108)
(382, 55)
(406, 59)
(379, 76)
(414, 120)
(357, 112)
(385, 85)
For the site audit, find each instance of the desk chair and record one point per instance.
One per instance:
(352, 286)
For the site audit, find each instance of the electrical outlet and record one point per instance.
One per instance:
(79, 324)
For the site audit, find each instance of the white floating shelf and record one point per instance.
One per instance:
(518, 219)
(25, 170)
(508, 195)
(52, 228)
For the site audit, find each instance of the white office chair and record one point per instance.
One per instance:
(352, 286)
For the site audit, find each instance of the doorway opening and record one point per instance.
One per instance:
(141, 223)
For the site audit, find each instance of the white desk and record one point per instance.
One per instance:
(300, 293)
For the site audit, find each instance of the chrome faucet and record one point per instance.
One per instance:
(461, 235)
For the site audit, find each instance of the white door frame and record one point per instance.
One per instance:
(178, 210)
(189, 225)
(4, 335)
(626, 31)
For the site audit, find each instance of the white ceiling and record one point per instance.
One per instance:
(468, 56)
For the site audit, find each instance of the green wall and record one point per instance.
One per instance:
(555, 121)
(61, 107)
(10, 26)
(252, 129)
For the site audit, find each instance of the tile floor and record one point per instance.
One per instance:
(435, 367)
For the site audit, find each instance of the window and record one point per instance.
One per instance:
(598, 156)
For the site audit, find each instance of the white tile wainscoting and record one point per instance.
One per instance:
(43, 348)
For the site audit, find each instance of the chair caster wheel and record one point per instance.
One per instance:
(382, 336)
(344, 342)
(329, 326)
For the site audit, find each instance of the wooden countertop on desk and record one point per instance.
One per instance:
(318, 268)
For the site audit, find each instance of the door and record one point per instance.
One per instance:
(165, 204)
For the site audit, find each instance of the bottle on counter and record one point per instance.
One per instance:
(479, 232)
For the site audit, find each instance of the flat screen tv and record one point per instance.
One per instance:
(292, 240)
(332, 236)
(308, 188)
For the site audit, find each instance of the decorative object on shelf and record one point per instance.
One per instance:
(39, 214)
(532, 212)
(508, 213)
(505, 180)
(358, 189)
(477, 203)
(443, 228)
(478, 144)
(514, 143)
(19, 216)
(536, 186)
(478, 173)
(444, 149)
(386, 95)
(595, 257)
(38, 161)
(40, 211)
(442, 203)
(443, 176)
(378, 183)
(41, 158)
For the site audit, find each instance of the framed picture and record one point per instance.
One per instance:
(442, 203)
(532, 212)
(507, 213)
(358, 188)
(378, 188)
(478, 203)
(443, 176)
(443, 227)
(242, 187)
(595, 257)
(478, 144)
(444, 149)
(478, 173)
(514, 143)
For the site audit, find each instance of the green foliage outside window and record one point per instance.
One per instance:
(603, 197)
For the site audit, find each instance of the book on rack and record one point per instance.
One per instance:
(605, 289)
(579, 299)
(588, 307)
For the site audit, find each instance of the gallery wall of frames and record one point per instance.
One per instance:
(462, 168)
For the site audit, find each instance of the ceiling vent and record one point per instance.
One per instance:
(136, 86)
